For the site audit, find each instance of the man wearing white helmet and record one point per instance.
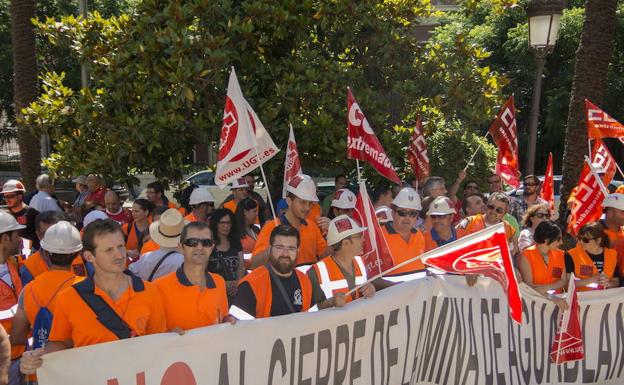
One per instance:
(301, 194)
(441, 212)
(613, 223)
(344, 269)
(342, 204)
(13, 192)
(404, 241)
(239, 192)
(202, 205)
(36, 302)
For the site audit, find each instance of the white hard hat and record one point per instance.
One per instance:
(303, 187)
(62, 238)
(407, 198)
(200, 195)
(342, 227)
(615, 201)
(239, 183)
(13, 185)
(343, 199)
(384, 214)
(93, 216)
(8, 223)
(441, 206)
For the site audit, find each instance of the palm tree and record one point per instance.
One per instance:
(25, 88)
(590, 75)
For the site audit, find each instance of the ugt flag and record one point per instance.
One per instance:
(568, 343)
(244, 143)
(417, 153)
(600, 124)
(292, 165)
(503, 131)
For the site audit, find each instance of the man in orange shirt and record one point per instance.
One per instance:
(239, 192)
(301, 192)
(129, 306)
(441, 212)
(192, 296)
(613, 224)
(202, 203)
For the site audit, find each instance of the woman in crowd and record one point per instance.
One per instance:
(591, 261)
(246, 215)
(141, 209)
(227, 256)
(535, 215)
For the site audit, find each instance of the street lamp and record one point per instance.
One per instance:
(544, 18)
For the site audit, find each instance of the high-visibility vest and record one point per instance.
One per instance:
(545, 274)
(332, 281)
(8, 303)
(584, 267)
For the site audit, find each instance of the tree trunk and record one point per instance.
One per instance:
(25, 87)
(590, 75)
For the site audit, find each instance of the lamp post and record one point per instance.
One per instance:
(84, 80)
(544, 18)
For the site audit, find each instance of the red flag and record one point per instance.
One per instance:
(503, 131)
(377, 257)
(548, 187)
(603, 160)
(417, 153)
(589, 194)
(362, 143)
(600, 124)
(568, 343)
(292, 166)
(485, 252)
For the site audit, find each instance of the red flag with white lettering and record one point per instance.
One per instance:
(603, 161)
(600, 124)
(568, 344)
(503, 131)
(292, 166)
(589, 194)
(417, 153)
(485, 252)
(362, 143)
(377, 257)
(548, 187)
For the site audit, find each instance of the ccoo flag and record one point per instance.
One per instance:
(548, 187)
(503, 131)
(600, 124)
(417, 153)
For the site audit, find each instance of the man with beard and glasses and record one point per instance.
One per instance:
(277, 288)
(530, 197)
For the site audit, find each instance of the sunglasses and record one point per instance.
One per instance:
(10, 196)
(194, 242)
(404, 213)
(499, 210)
(542, 215)
(586, 240)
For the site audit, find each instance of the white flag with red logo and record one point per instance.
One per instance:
(244, 143)
(417, 153)
(485, 252)
(603, 160)
(292, 166)
(601, 125)
(362, 143)
(377, 257)
(588, 196)
(568, 344)
(547, 192)
(503, 131)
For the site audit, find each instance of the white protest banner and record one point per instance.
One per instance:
(435, 330)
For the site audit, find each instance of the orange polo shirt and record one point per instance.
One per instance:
(189, 307)
(616, 242)
(312, 243)
(402, 250)
(74, 320)
(315, 212)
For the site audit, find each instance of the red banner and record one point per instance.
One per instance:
(503, 131)
(603, 161)
(600, 124)
(587, 201)
(417, 153)
(548, 187)
(362, 143)
(568, 344)
(292, 165)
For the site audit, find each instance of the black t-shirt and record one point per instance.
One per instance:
(598, 260)
(225, 263)
(26, 217)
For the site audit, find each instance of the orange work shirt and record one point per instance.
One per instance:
(150, 245)
(315, 213)
(187, 306)
(545, 274)
(312, 244)
(616, 242)
(140, 306)
(402, 250)
(42, 292)
(37, 264)
(476, 223)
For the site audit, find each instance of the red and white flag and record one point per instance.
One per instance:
(603, 161)
(292, 165)
(244, 144)
(503, 131)
(589, 194)
(417, 153)
(548, 187)
(376, 257)
(568, 344)
(601, 125)
(485, 252)
(362, 143)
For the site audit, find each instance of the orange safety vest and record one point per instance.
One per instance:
(544, 274)
(260, 282)
(584, 267)
(332, 281)
(476, 223)
(8, 303)
(132, 240)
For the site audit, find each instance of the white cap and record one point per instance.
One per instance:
(441, 206)
(615, 201)
(13, 185)
(200, 195)
(407, 198)
(384, 214)
(8, 223)
(341, 227)
(62, 238)
(343, 199)
(127, 204)
(239, 183)
(93, 216)
(303, 187)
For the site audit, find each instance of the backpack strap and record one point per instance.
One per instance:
(151, 276)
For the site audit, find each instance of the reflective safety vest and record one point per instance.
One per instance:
(545, 274)
(332, 281)
(584, 267)
(8, 303)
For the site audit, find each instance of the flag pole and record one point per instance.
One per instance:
(269, 198)
(473, 156)
(357, 165)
